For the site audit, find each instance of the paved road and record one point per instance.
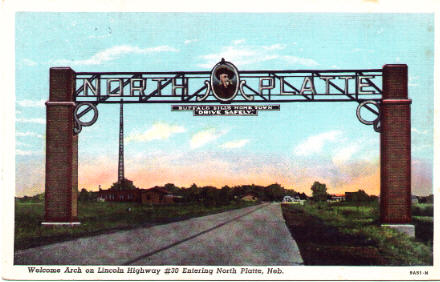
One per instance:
(250, 236)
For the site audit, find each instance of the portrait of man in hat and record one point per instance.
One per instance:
(225, 85)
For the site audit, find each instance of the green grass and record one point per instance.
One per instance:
(422, 209)
(358, 226)
(427, 219)
(102, 217)
(424, 228)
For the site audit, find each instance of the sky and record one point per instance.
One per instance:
(300, 144)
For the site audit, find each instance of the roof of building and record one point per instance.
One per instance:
(157, 189)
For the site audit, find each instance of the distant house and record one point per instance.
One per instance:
(287, 199)
(250, 197)
(113, 195)
(336, 198)
(156, 195)
(292, 200)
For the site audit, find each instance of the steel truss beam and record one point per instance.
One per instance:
(196, 80)
(163, 87)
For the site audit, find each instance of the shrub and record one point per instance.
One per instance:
(422, 210)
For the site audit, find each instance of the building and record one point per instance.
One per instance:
(336, 198)
(250, 197)
(156, 196)
(287, 199)
(115, 195)
(292, 200)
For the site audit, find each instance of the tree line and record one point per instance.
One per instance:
(212, 195)
(225, 194)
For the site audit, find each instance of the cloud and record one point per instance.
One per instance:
(22, 144)
(345, 153)
(234, 144)
(421, 177)
(19, 152)
(300, 61)
(204, 137)
(314, 144)
(366, 177)
(31, 120)
(421, 147)
(30, 174)
(28, 62)
(412, 80)
(422, 132)
(31, 103)
(275, 47)
(242, 55)
(189, 41)
(239, 41)
(114, 53)
(28, 133)
(159, 131)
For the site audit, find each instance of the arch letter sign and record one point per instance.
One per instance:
(225, 90)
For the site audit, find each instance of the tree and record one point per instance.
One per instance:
(192, 193)
(303, 196)
(173, 189)
(275, 192)
(225, 195)
(359, 196)
(209, 195)
(83, 195)
(125, 184)
(319, 192)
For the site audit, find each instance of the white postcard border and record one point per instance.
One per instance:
(7, 113)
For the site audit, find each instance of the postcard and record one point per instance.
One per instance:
(195, 144)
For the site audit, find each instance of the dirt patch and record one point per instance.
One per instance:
(321, 244)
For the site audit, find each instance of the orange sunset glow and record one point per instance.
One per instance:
(159, 171)
(220, 173)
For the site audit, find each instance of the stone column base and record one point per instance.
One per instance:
(407, 229)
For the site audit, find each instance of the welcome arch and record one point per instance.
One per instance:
(384, 92)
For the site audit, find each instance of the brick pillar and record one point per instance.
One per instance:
(395, 148)
(61, 150)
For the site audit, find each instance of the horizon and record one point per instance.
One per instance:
(230, 187)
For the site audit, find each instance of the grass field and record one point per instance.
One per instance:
(347, 234)
(422, 217)
(102, 217)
